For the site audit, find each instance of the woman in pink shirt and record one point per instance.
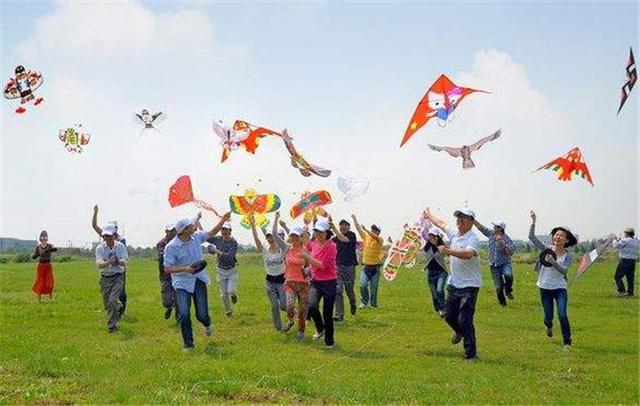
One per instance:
(323, 280)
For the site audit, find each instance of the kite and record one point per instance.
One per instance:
(22, 86)
(465, 151)
(181, 192)
(632, 77)
(241, 134)
(149, 120)
(403, 252)
(311, 205)
(298, 161)
(253, 204)
(440, 101)
(73, 138)
(569, 164)
(352, 187)
(588, 259)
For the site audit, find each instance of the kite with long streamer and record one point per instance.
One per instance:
(242, 134)
(299, 162)
(181, 193)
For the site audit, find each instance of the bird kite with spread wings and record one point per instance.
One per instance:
(465, 151)
(571, 163)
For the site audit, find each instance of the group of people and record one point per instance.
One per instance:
(308, 265)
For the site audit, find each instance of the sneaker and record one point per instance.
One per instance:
(113, 330)
(229, 313)
(362, 306)
(470, 359)
(189, 350)
(549, 332)
(566, 347)
(621, 294)
(234, 298)
(167, 313)
(336, 318)
(300, 336)
(288, 326)
(510, 296)
(456, 338)
(317, 335)
(330, 347)
(208, 330)
(353, 309)
(441, 314)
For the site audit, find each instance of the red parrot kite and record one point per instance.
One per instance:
(252, 142)
(241, 134)
(440, 101)
(569, 164)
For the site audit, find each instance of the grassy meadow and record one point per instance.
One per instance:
(61, 352)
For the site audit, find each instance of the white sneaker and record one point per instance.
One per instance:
(362, 306)
(317, 335)
(208, 330)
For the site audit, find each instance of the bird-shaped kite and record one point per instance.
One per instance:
(298, 161)
(149, 120)
(440, 101)
(181, 193)
(569, 164)
(465, 151)
(22, 86)
(632, 77)
(241, 134)
(253, 204)
(311, 205)
(74, 138)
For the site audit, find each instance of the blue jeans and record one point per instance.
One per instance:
(369, 278)
(436, 285)
(547, 296)
(183, 302)
(503, 281)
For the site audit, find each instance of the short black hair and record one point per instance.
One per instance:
(344, 222)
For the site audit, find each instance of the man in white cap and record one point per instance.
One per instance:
(226, 247)
(166, 289)
(628, 253)
(464, 280)
(501, 248)
(111, 259)
(183, 260)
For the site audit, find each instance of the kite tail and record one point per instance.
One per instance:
(205, 206)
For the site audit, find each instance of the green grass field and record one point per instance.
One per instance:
(400, 353)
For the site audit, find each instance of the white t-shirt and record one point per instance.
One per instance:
(465, 273)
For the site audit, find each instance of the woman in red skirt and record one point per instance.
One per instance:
(44, 271)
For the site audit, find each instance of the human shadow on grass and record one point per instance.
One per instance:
(126, 333)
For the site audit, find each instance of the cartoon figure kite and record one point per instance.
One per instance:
(149, 120)
(298, 161)
(352, 187)
(632, 77)
(403, 252)
(311, 205)
(73, 138)
(465, 151)
(253, 204)
(181, 192)
(22, 86)
(241, 134)
(569, 164)
(440, 101)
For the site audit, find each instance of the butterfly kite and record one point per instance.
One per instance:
(242, 134)
(181, 192)
(352, 187)
(440, 102)
(74, 138)
(403, 251)
(632, 77)
(465, 151)
(148, 120)
(298, 161)
(253, 204)
(311, 205)
(22, 86)
(568, 165)
(588, 259)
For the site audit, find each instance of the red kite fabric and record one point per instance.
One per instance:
(568, 165)
(181, 193)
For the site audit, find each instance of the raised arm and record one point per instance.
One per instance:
(94, 221)
(274, 232)
(359, 228)
(198, 223)
(532, 233)
(284, 226)
(484, 230)
(337, 231)
(254, 232)
(437, 221)
(216, 229)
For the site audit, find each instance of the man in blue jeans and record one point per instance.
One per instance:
(501, 248)
(183, 261)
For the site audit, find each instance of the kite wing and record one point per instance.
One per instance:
(571, 163)
(266, 203)
(35, 79)
(137, 118)
(240, 205)
(478, 144)
(11, 90)
(310, 201)
(588, 259)
(181, 192)
(454, 152)
(159, 117)
(632, 78)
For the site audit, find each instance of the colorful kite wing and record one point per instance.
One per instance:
(632, 78)
(568, 165)
(310, 201)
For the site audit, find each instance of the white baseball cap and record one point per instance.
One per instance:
(182, 224)
(500, 223)
(435, 231)
(170, 226)
(322, 225)
(226, 226)
(297, 231)
(109, 229)
(467, 211)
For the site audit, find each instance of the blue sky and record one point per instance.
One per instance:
(345, 79)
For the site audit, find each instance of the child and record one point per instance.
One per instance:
(44, 272)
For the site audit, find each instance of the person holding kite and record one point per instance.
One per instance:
(464, 280)
(552, 267)
(183, 261)
(226, 248)
(166, 289)
(628, 253)
(44, 271)
(501, 248)
(435, 268)
(372, 255)
(273, 257)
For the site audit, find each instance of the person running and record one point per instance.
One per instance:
(183, 260)
(44, 271)
(464, 280)
(435, 268)
(552, 267)
(501, 248)
(166, 289)
(273, 257)
(111, 260)
(372, 260)
(346, 260)
(120, 239)
(226, 247)
(628, 253)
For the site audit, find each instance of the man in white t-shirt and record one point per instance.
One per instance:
(464, 279)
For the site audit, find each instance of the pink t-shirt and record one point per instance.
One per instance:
(325, 253)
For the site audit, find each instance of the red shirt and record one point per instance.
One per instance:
(325, 253)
